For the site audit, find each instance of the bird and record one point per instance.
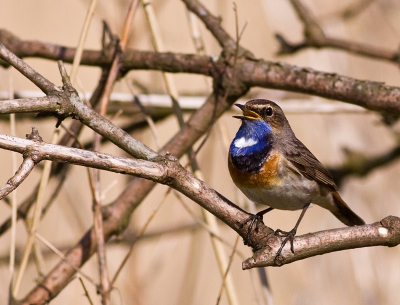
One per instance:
(272, 167)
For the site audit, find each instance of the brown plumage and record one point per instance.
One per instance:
(265, 145)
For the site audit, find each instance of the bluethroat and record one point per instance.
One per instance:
(272, 167)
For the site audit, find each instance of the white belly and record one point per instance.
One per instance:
(292, 193)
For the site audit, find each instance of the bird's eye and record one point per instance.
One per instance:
(269, 111)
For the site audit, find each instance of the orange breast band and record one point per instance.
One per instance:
(267, 177)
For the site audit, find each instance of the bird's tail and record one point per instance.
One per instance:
(344, 213)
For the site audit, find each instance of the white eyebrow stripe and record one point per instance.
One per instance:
(243, 142)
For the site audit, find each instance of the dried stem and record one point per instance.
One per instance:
(139, 235)
(95, 177)
(82, 38)
(227, 270)
(85, 290)
(63, 257)
(36, 219)
(14, 196)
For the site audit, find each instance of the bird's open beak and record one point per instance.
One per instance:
(247, 113)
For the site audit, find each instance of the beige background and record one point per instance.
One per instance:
(180, 267)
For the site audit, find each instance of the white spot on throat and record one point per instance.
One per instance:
(243, 142)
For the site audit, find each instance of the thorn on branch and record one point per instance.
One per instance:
(34, 135)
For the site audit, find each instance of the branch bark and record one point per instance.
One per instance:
(250, 72)
(315, 37)
(383, 233)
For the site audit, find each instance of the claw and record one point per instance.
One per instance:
(257, 218)
(289, 236)
(254, 219)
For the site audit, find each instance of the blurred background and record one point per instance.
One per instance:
(173, 262)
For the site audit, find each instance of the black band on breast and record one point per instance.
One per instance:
(251, 162)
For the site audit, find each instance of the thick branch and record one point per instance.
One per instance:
(371, 95)
(383, 233)
(130, 59)
(43, 151)
(70, 104)
(58, 171)
(117, 215)
(36, 104)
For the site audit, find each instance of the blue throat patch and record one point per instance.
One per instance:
(250, 148)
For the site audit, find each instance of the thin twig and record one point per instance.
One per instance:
(85, 290)
(13, 198)
(261, 272)
(104, 127)
(206, 227)
(173, 92)
(94, 176)
(148, 118)
(82, 38)
(63, 257)
(227, 270)
(139, 235)
(36, 219)
(159, 47)
(20, 175)
(105, 287)
(315, 37)
(42, 83)
(212, 23)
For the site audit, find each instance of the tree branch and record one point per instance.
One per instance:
(169, 172)
(383, 233)
(248, 72)
(212, 23)
(315, 37)
(45, 85)
(360, 165)
(374, 96)
(21, 174)
(42, 151)
(36, 104)
(130, 59)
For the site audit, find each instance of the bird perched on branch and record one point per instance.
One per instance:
(272, 167)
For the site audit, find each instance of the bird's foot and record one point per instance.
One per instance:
(253, 218)
(289, 236)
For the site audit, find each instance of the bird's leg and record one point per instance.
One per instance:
(291, 234)
(254, 218)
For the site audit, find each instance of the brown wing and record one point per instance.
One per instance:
(306, 163)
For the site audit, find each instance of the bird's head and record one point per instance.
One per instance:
(264, 110)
